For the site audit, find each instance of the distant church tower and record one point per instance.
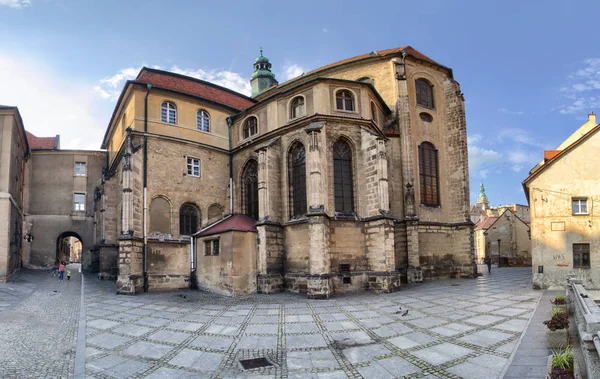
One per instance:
(482, 199)
(262, 77)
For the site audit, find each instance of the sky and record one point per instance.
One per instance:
(530, 70)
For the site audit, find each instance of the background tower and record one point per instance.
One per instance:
(262, 77)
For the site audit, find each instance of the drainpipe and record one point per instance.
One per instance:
(145, 214)
(229, 126)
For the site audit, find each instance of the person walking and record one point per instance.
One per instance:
(55, 271)
(61, 271)
(69, 274)
(488, 261)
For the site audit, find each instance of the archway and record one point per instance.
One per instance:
(69, 247)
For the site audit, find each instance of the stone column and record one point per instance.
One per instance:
(408, 175)
(319, 283)
(129, 280)
(270, 233)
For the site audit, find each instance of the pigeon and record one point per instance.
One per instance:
(399, 310)
(405, 313)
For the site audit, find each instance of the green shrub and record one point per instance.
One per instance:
(563, 360)
(560, 300)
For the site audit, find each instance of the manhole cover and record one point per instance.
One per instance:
(249, 364)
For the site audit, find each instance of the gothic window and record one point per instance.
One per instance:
(428, 174)
(424, 93)
(344, 100)
(203, 121)
(168, 113)
(250, 127)
(188, 219)
(342, 177)
(160, 216)
(297, 180)
(297, 107)
(250, 189)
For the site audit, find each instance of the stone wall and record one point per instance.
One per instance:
(168, 265)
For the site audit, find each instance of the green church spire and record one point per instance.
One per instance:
(262, 77)
(482, 199)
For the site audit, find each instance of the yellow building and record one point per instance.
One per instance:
(562, 190)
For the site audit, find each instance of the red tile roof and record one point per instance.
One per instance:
(42, 142)
(485, 224)
(194, 87)
(237, 222)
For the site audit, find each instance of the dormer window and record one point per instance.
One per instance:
(203, 121)
(297, 107)
(168, 113)
(250, 127)
(344, 101)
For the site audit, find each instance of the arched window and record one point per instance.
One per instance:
(188, 219)
(374, 112)
(424, 93)
(168, 113)
(428, 174)
(250, 127)
(297, 107)
(297, 180)
(344, 100)
(203, 120)
(342, 177)
(160, 216)
(250, 189)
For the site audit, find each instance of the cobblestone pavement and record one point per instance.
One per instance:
(459, 328)
(38, 319)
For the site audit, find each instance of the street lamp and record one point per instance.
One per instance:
(499, 240)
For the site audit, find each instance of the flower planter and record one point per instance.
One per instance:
(576, 371)
(557, 339)
(562, 307)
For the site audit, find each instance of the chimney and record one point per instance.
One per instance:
(592, 118)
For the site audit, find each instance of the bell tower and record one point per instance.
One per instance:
(262, 77)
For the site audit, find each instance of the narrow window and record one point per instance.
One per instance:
(188, 219)
(250, 127)
(297, 107)
(424, 93)
(344, 100)
(374, 112)
(581, 255)
(168, 113)
(579, 206)
(250, 189)
(193, 167)
(203, 121)
(79, 202)
(80, 169)
(342, 177)
(211, 247)
(428, 173)
(297, 180)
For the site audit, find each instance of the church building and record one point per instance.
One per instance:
(351, 176)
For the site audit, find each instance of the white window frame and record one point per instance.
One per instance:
(169, 108)
(354, 101)
(302, 109)
(79, 172)
(193, 163)
(78, 206)
(201, 116)
(244, 125)
(577, 204)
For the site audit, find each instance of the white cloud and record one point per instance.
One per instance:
(522, 158)
(521, 136)
(508, 111)
(110, 87)
(291, 71)
(325, 30)
(582, 89)
(51, 104)
(16, 4)
(479, 157)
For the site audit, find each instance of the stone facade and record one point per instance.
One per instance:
(561, 192)
(385, 234)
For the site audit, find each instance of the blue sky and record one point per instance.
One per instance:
(530, 70)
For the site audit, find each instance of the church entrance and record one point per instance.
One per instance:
(69, 248)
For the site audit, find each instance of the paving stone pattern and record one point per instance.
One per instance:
(37, 325)
(459, 328)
